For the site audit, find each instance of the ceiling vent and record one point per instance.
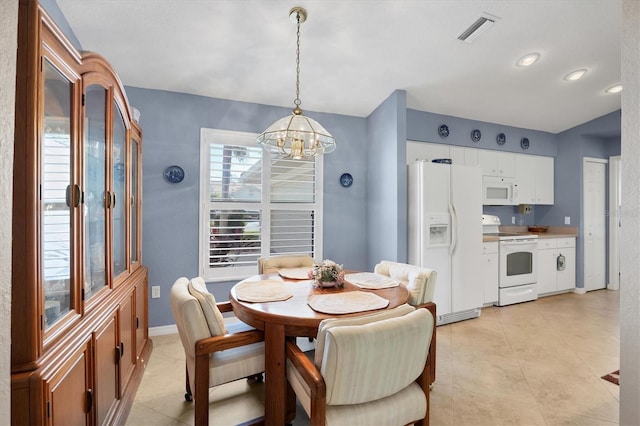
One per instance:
(477, 28)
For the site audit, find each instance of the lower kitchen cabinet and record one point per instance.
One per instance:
(490, 271)
(556, 265)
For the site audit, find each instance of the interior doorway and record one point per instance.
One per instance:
(594, 223)
(615, 199)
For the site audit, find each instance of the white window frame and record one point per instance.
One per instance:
(216, 136)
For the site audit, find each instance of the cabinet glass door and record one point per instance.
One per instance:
(118, 204)
(94, 190)
(57, 196)
(134, 202)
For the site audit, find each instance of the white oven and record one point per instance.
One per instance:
(499, 191)
(518, 277)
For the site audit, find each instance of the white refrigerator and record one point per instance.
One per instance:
(445, 234)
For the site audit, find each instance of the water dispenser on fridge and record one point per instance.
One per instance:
(437, 227)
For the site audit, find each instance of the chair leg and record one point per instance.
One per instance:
(188, 396)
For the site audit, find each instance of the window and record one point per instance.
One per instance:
(252, 205)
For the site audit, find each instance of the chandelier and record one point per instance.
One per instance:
(296, 136)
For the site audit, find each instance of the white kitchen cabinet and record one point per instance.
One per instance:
(464, 156)
(497, 163)
(426, 151)
(550, 279)
(544, 180)
(534, 176)
(526, 178)
(490, 271)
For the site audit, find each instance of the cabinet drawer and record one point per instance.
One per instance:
(547, 243)
(566, 242)
(490, 247)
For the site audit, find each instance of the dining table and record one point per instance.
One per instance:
(294, 317)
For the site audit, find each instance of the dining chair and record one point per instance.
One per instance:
(271, 264)
(215, 353)
(421, 283)
(370, 369)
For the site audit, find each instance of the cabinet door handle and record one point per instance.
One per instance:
(89, 400)
(107, 200)
(114, 200)
(121, 349)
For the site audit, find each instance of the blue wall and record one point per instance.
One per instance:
(171, 125)
(386, 155)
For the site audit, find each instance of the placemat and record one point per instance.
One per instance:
(262, 291)
(295, 273)
(346, 302)
(371, 280)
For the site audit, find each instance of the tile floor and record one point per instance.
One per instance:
(536, 363)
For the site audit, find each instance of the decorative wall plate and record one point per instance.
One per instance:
(476, 135)
(443, 130)
(346, 180)
(174, 174)
(524, 143)
(501, 139)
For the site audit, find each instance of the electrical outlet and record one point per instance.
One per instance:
(155, 292)
(567, 220)
(513, 220)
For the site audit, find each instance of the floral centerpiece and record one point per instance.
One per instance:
(327, 274)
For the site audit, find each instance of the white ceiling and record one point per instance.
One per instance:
(354, 54)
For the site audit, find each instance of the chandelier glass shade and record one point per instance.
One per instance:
(296, 136)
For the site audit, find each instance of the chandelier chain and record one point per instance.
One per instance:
(297, 101)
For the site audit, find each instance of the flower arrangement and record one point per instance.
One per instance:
(327, 273)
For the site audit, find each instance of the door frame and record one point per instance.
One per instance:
(614, 218)
(586, 160)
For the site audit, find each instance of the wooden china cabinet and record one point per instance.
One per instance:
(79, 334)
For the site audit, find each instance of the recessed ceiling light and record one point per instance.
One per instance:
(528, 59)
(575, 75)
(616, 88)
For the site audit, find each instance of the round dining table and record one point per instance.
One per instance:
(293, 318)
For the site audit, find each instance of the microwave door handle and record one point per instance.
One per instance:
(454, 230)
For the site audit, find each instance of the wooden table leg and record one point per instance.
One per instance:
(275, 375)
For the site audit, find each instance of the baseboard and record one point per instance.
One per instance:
(173, 329)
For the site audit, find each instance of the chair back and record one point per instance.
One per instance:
(363, 363)
(421, 282)
(189, 317)
(271, 264)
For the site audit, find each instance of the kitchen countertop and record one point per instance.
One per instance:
(552, 232)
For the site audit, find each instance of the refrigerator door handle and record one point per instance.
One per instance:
(454, 228)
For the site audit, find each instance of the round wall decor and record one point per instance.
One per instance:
(501, 139)
(443, 130)
(524, 143)
(174, 174)
(476, 135)
(346, 180)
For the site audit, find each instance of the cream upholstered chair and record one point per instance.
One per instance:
(271, 264)
(367, 370)
(214, 353)
(421, 283)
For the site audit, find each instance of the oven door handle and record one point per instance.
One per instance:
(519, 242)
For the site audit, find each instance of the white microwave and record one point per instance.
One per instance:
(499, 191)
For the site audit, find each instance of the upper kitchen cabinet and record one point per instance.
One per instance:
(464, 156)
(76, 268)
(535, 179)
(497, 163)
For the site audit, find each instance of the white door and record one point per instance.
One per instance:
(615, 197)
(594, 223)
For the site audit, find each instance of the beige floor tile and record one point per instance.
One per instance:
(479, 408)
(535, 363)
